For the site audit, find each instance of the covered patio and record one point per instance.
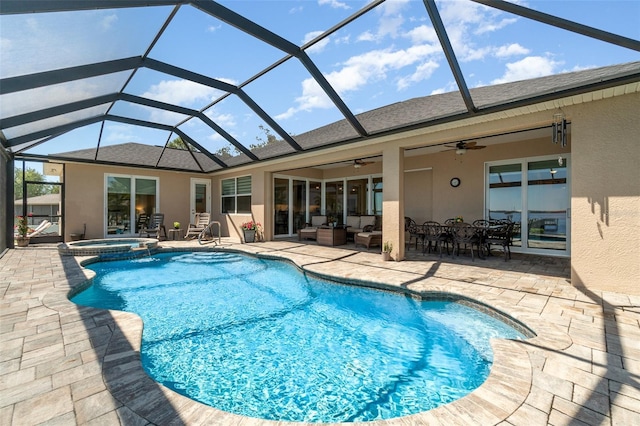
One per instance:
(75, 365)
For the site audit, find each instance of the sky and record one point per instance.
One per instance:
(389, 55)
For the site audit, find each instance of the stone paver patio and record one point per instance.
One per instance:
(65, 364)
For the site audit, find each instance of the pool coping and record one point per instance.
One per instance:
(504, 391)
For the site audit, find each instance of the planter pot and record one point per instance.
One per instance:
(22, 241)
(386, 256)
(249, 236)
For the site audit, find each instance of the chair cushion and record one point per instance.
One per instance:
(367, 220)
(353, 221)
(318, 220)
(369, 234)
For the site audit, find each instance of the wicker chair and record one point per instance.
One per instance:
(368, 237)
(310, 231)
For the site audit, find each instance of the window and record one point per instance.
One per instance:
(236, 195)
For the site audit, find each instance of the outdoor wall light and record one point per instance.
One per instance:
(559, 129)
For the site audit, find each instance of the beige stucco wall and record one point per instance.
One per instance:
(84, 196)
(467, 200)
(605, 201)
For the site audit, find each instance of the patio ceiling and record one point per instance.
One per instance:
(75, 78)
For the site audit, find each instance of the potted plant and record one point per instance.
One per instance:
(387, 248)
(249, 229)
(22, 228)
(176, 225)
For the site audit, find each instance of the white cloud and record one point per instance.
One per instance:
(343, 40)
(465, 21)
(477, 54)
(390, 21)
(294, 10)
(422, 34)
(334, 4)
(366, 36)
(529, 67)
(390, 26)
(222, 120)
(422, 72)
(489, 26)
(108, 21)
(363, 69)
(511, 50)
(181, 92)
(392, 7)
(118, 133)
(213, 28)
(319, 46)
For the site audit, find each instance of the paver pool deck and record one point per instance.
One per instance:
(62, 364)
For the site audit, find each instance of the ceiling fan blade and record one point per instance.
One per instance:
(475, 147)
(470, 145)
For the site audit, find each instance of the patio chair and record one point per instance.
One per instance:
(39, 229)
(500, 235)
(481, 223)
(368, 237)
(434, 233)
(310, 231)
(155, 228)
(201, 221)
(413, 231)
(142, 221)
(465, 233)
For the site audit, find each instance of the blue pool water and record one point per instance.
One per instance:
(258, 338)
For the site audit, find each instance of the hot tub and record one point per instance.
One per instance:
(109, 248)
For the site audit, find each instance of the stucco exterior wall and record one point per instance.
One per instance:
(467, 200)
(84, 197)
(606, 195)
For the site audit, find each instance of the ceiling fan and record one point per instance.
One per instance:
(357, 163)
(462, 147)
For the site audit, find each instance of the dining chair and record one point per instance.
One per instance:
(434, 233)
(465, 233)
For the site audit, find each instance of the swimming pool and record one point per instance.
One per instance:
(256, 337)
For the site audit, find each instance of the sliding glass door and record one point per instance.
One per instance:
(297, 200)
(535, 195)
(128, 197)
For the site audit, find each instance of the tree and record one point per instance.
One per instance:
(178, 143)
(31, 175)
(270, 139)
(225, 152)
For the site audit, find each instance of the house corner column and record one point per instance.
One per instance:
(393, 200)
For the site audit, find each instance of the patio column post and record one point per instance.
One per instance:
(393, 200)
(261, 192)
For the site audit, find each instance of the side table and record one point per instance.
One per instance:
(326, 236)
(176, 234)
